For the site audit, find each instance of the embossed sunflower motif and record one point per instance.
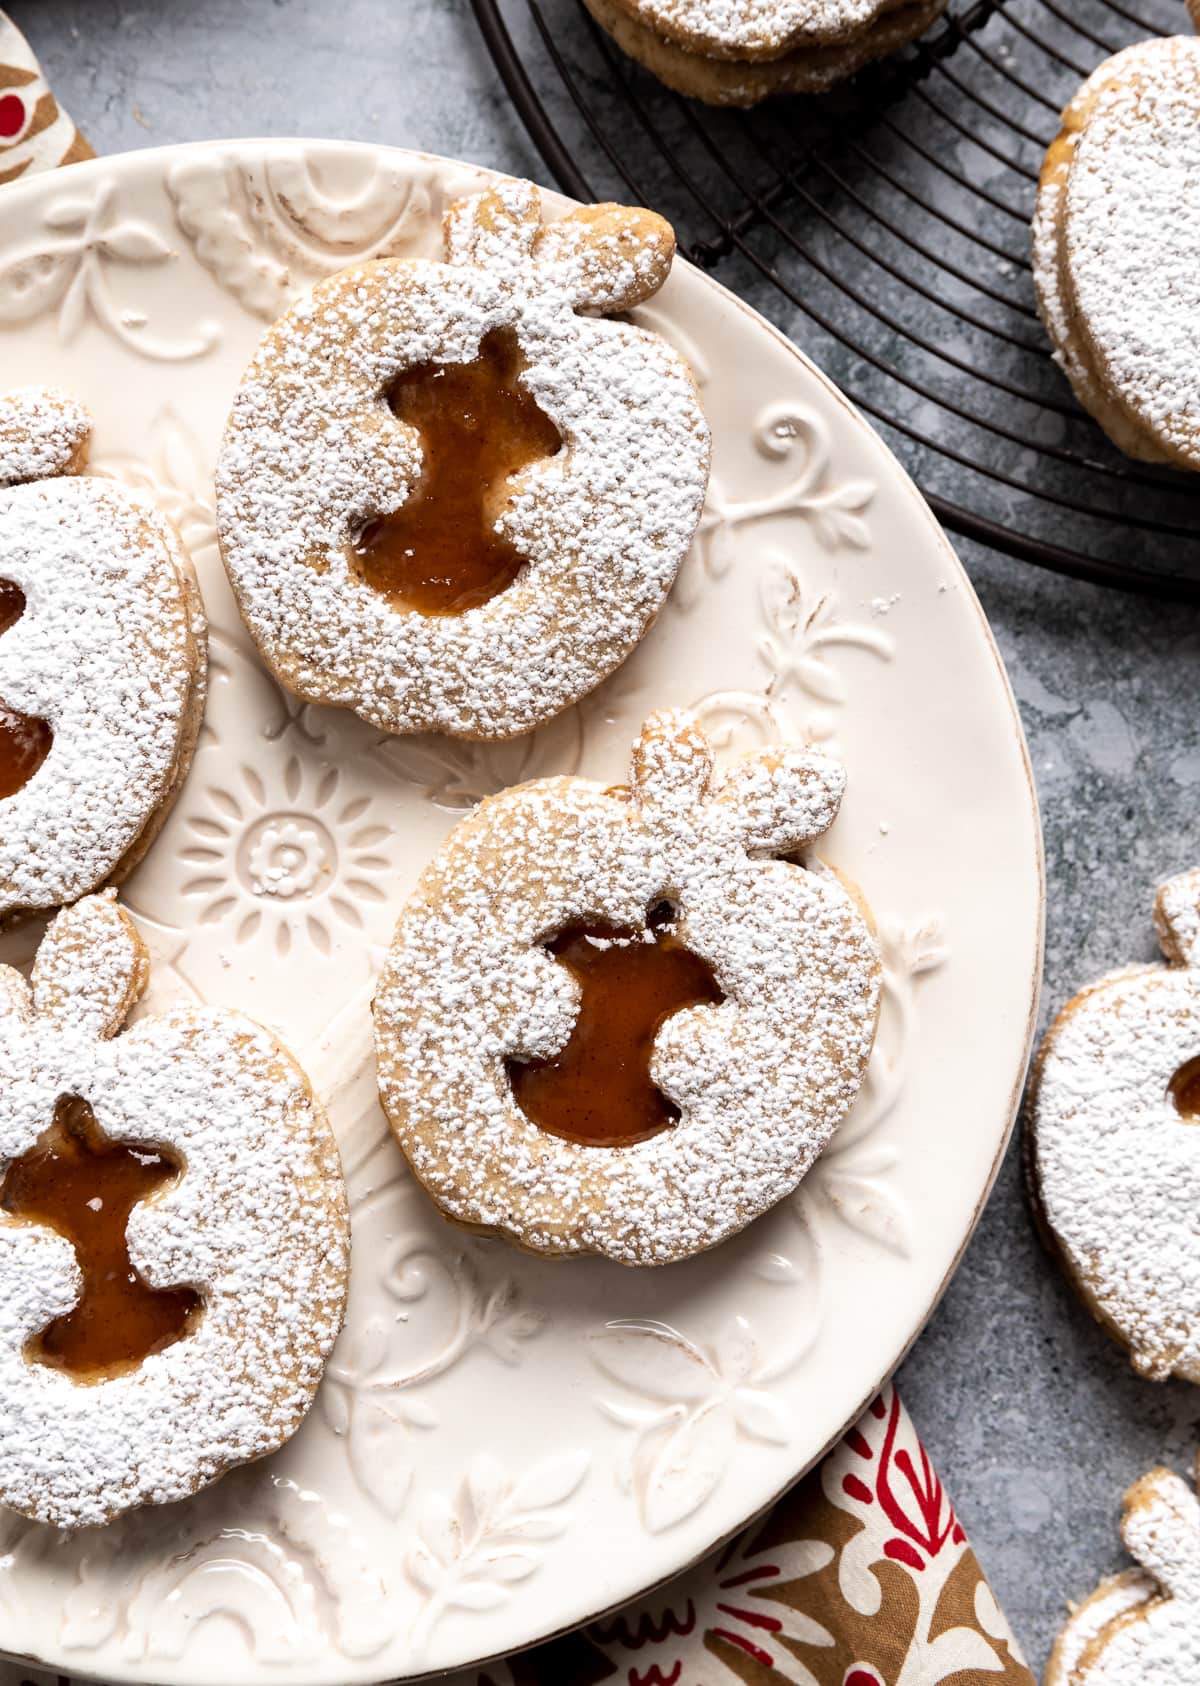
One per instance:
(288, 852)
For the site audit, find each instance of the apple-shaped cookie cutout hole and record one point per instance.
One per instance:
(24, 739)
(598, 1090)
(440, 552)
(78, 1182)
(1184, 1090)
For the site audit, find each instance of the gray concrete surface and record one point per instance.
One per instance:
(1035, 1421)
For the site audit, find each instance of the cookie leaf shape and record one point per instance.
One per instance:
(1114, 1148)
(254, 1224)
(1142, 1628)
(314, 459)
(103, 650)
(758, 1078)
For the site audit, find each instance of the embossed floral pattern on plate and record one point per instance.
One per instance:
(503, 1446)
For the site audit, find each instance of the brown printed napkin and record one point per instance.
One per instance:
(860, 1576)
(35, 133)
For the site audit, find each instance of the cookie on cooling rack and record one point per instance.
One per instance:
(174, 1235)
(738, 52)
(1116, 246)
(1141, 1627)
(102, 662)
(612, 1020)
(1113, 1149)
(453, 496)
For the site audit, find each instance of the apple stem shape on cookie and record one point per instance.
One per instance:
(612, 1019)
(174, 1236)
(1113, 1146)
(1142, 1627)
(42, 433)
(103, 651)
(454, 495)
(601, 258)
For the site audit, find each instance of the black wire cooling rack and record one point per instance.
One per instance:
(886, 229)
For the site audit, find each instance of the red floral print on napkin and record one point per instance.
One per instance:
(861, 1576)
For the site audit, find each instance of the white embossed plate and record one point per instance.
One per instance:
(504, 1447)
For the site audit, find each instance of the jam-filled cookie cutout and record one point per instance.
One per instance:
(173, 1234)
(612, 1019)
(452, 495)
(102, 662)
(1114, 1149)
(1141, 1627)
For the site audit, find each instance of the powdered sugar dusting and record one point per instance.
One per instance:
(1051, 303)
(1177, 918)
(109, 651)
(1118, 1169)
(725, 71)
(767, 27)
(312, 452)
(42, 432)
(1054, 302)
(1132, 241)
(1143, 1630)
(1113, 1600)
(761, 1080)
(257, 1223)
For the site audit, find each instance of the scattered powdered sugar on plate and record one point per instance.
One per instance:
(761, 1080)
(312, 452)
(257, 1223)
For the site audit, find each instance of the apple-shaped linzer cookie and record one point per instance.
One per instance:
(174, 1238)
(1113, 1149)
(616, 1020)
(103, 651)
(453, 496)
(1141, 1627)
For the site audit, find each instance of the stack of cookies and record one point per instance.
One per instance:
(1117, 249)
(738, 52)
